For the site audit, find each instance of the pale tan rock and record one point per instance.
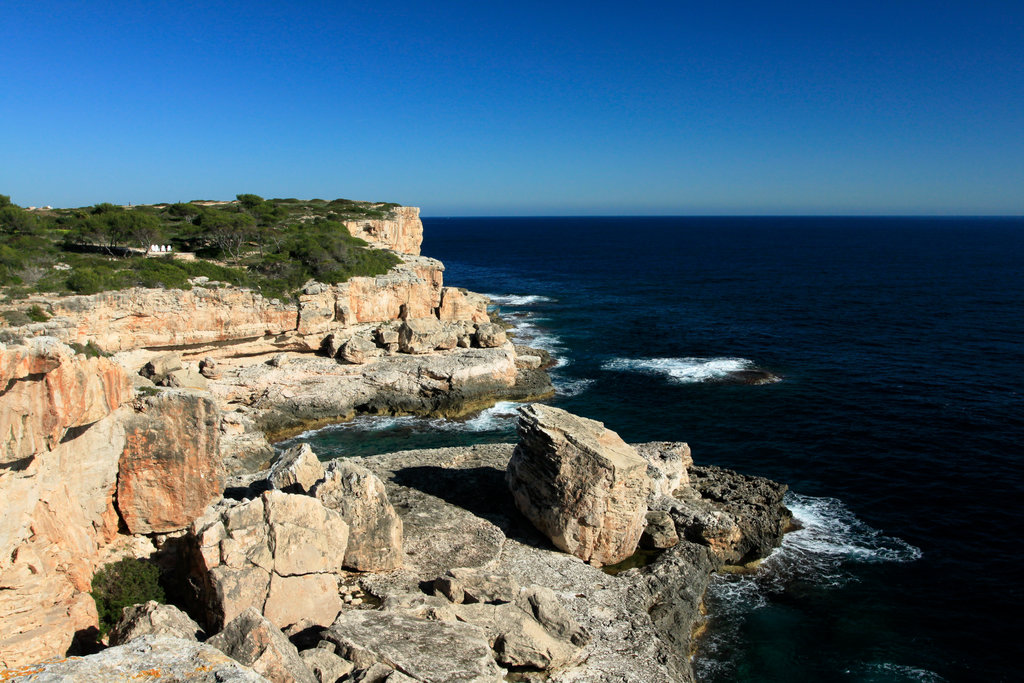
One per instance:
(472, 584)
(358, 351)
(61, 439)
(159, 367)
(165, 481)
(254, 641)
(145, 658)
(579, 483)
(49, 391)
(669, 463)
(420, 335)
(325, 664)
(296, 603)
(375, 530)
(660, 531)
(489, 335)
(460, 304)
(280, 553)
(401, 232)
(152, 618)
(296, 470)
(187, 378)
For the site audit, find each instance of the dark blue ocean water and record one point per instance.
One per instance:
(898, 421)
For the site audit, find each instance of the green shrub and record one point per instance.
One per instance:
(126, 582)
(85, 281)
(37, 315)
(89, 349)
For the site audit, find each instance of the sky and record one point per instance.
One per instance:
(519, 108)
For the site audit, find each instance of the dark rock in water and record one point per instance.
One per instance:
(752, 377)
(754, 504)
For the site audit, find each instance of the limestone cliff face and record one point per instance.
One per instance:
(411, 289)
(402, 233)
(153, 318)
(66, 421)
(207, 319)
(61, 444)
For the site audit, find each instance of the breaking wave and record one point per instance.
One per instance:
(519, 299)
(681, 370)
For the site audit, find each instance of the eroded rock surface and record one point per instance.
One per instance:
(579, 483)
(146, 658)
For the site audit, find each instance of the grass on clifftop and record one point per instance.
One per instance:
(273, 245)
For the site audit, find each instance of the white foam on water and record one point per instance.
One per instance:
(570, 387)
(687, 370)
(888, 671)
(496, 418)
(822, 553)
(519, 299)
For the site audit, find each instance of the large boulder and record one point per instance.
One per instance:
(170, 659)
(297, 470)
(158, 369)
(171, 468)
(490, 335)
(152, 618)
(280, 553)
(579, 484)
(375, 538)
(359, 351)
(420, 335)
(252, 640)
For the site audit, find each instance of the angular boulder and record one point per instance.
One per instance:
(579, 484)
(490, 335)
(326, 666)
(171, 467)
(375, 530)
(280, 553)
(297, 470)
(255, 642)
(420, 335)
(358, 351)
(152, 618)
(161, 366)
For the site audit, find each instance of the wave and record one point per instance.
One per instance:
(687, 370)
(498, 418)
(823, 553)
(567, 387)
(519, 299)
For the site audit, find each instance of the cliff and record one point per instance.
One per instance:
(403, 232)
(68, 429)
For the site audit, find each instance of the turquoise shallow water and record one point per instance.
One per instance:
(897, 421)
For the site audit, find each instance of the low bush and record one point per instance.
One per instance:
(126, 582)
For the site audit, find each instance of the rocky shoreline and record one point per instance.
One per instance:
(571, 556)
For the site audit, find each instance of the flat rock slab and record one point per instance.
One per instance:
(434, 651)
(158, 658)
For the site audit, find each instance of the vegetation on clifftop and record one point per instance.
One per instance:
(273, 245)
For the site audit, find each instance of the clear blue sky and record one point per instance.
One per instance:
(482, 108)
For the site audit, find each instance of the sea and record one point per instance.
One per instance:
(897, 417)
